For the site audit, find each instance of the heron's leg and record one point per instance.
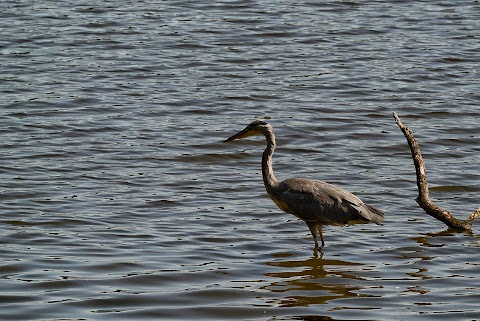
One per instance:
(313, 229)
(319, 226)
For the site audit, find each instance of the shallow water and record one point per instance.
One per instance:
(119, 199)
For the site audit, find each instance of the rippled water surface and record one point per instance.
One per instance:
(119, 200)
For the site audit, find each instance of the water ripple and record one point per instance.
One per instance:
(119, 199)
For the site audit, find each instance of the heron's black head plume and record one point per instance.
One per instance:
(257, 123)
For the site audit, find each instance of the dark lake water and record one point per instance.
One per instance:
(119, 201)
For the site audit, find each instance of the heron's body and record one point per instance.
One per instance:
(315, 202)
(322, 203)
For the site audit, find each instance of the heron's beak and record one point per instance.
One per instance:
(241, 134)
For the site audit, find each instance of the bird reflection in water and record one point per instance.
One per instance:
(314, 281)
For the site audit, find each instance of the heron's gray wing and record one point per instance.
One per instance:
(318, 201)
(306, 207)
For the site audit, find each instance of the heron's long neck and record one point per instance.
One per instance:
(267, 171)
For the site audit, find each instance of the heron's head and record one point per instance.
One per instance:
(256, 127)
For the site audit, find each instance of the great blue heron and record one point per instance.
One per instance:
(315, 202)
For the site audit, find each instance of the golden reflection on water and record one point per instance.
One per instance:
(313, 281)
(425, 240)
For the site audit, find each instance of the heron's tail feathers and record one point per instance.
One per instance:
(375, 215)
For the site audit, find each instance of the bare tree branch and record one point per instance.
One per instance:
(423, 199)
